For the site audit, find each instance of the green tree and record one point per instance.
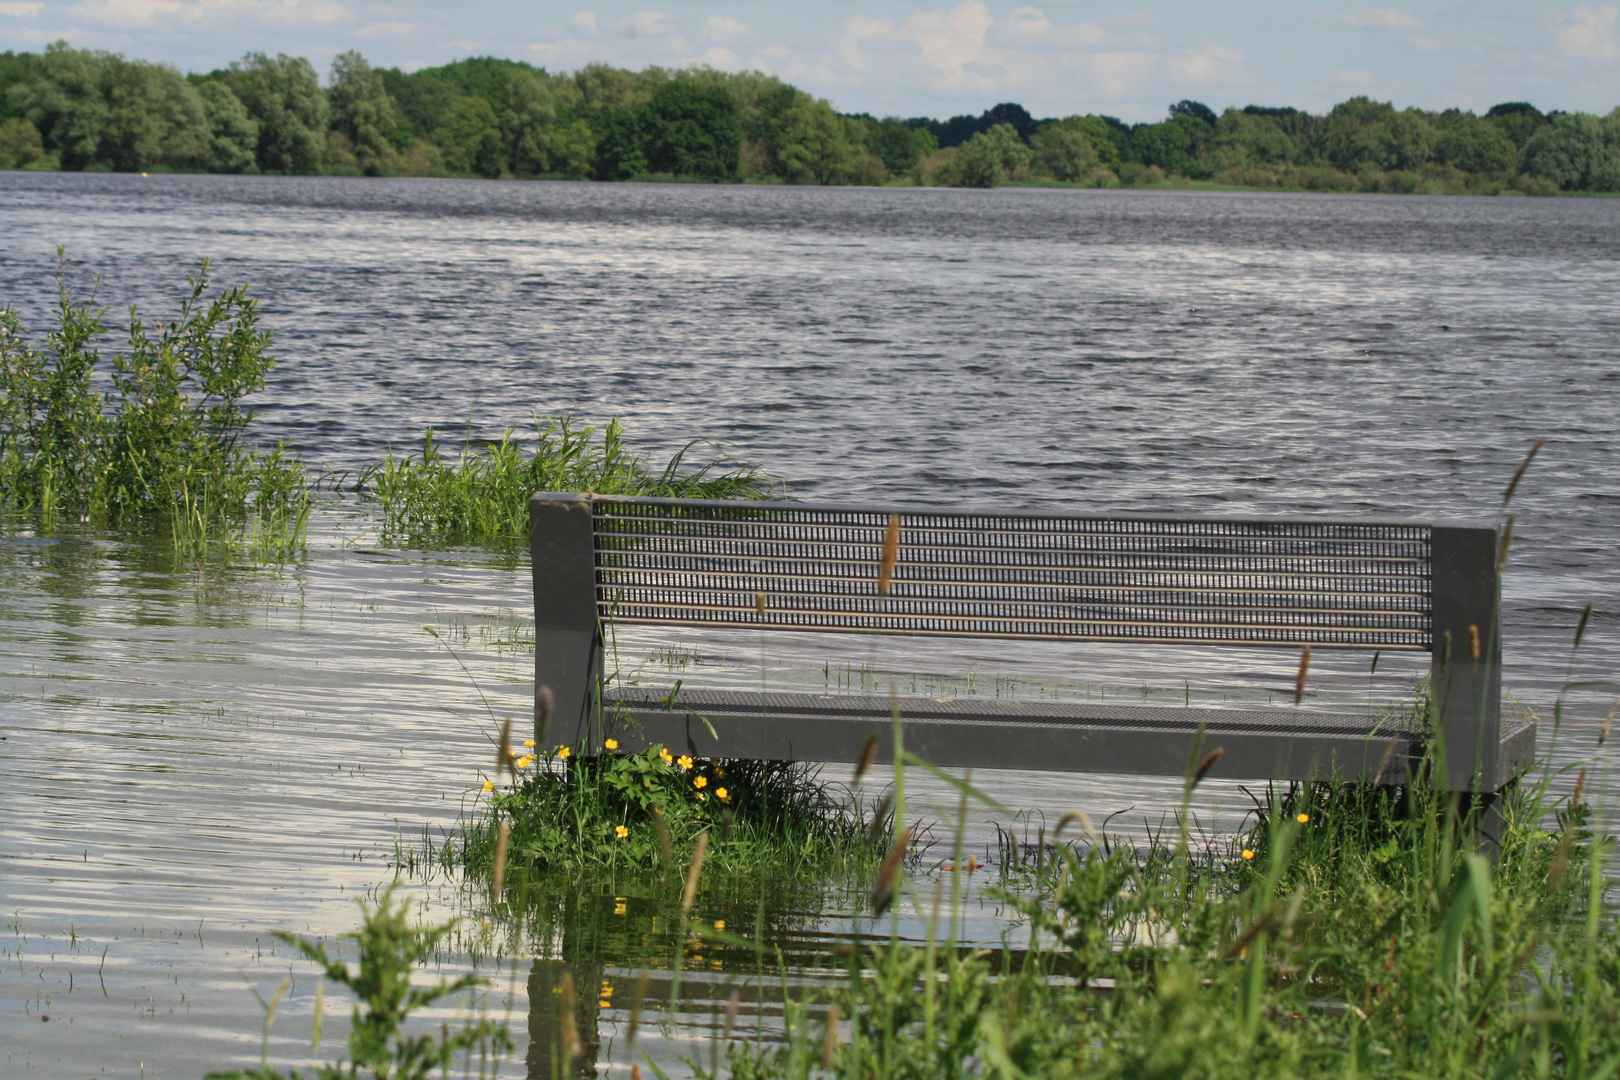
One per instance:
(991, 157)
(20, 144)
(1246, 140)
(1569, 152)
(621, 142)
(365, 114)
(526, 117)
(285, 99)
(895, 144)
(65, 103)
(573, 149)
(1063, 151)
(1519, 120)
(1176, 145)
(470, 139)
(16, 69)
(808, 142)
(692, 129)
(1476, 146)
(233, 135)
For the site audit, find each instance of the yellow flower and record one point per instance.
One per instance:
(666, 756)
(719, 924)
(722, 794)
(701, 797)
(511, 752)
(528, 742)
(620, 907)
(1248, 853)
(563, 751)
(610, 744)
(684, 761)
(701, 782)
(1302, 818)
(489, 785)
(604, 1004)
(525, 761)
(621, 831)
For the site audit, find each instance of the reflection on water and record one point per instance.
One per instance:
(193, 756)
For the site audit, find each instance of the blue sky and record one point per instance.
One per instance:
(922, 59)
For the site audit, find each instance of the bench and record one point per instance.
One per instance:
(1277, 584)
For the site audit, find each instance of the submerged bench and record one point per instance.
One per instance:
(1277, 584)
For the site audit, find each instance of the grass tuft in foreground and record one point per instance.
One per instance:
(1351, 932)
(643, 813)
(483, 495)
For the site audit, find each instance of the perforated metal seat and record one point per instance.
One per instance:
(1267, 584)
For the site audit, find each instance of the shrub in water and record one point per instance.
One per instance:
(171, 442)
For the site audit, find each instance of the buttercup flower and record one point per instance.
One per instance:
(621, 831)
(528, 742)
(1247, 853)
(666, 756)
(610, 744)
(719, 924)
(563, 751)
(684, 761)
(722, 794)
(489, 785)
(701, 782)
(1302, 818)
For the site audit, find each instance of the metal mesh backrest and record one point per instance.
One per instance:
(699, 563)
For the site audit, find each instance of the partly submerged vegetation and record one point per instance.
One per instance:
(483, 495)
(168, 451)
(643, 813)
(169, 448)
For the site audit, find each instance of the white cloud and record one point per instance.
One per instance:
(585, 22)
(1590, 33)
(1211, 64)
(1354, 77)
(647, 23)
(724, 28)
(1369, 17)
(383, 30)
(724, 59)
(135, 14)
(19, 10)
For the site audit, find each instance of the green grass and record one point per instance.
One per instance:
(166, 451)
(482, 496)
(1349, 932)
(642, 814)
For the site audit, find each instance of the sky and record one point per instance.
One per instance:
(905, 58)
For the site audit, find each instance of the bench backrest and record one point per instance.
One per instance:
(1215, 581)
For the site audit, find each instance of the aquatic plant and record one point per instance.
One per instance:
(1349, 931)
(645, 812)
(482, 496)
(381, 1043)
(170, 446)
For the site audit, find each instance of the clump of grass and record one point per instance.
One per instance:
(1350, 931)
(482, 496)
(381, 1042)
(170, 446)
(644, 813)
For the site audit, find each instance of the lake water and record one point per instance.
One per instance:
(196, 756)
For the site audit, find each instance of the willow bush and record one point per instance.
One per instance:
(168, 441)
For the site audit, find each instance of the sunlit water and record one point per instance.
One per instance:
(196, 756)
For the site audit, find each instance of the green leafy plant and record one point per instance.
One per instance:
(381, 1044)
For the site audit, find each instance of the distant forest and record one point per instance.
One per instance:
(76, 109)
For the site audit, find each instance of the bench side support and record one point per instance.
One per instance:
(1466, 672)
(567, 632)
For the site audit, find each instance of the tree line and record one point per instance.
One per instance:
(485, 117)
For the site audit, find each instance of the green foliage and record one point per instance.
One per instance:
(691, 128)
(286, 100)
(643, 813)
(1064, 151)
(381, 1045)
(484, 495)
(1351, 931)
(20, 144)
(173, 443)
(233, 135)
(364, 114)
(98, 110)
(1477, 146)
(989, 158)
(1571, 152)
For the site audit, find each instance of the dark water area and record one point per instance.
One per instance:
(240, 750)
